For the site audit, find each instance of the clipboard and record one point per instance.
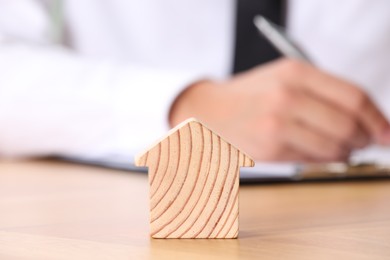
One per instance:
(372, 163)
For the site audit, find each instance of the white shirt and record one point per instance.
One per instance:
(108, 87)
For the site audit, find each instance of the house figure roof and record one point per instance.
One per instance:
(194, 183)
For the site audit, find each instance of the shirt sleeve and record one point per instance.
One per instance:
(55, 102)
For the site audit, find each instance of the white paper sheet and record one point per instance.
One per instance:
(374, 154)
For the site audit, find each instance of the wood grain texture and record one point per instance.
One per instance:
(58, 211)
(194, 184)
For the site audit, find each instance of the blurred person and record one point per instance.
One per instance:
(93, 78)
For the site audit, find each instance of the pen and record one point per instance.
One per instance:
(279, 39)
(277, 36)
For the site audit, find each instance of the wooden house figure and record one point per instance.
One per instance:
(194, 183)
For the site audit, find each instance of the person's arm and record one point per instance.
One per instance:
(54, 102)
(286, 111)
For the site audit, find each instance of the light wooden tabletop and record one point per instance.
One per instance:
(54, 210)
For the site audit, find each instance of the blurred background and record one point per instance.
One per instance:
(97, 79)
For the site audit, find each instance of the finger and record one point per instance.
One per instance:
(352, 99)
(330, 121)
(280, 152)
(268, 143)
(375, 123)
(313, 144)
(362, 138)
(291, 155)
(343, 94)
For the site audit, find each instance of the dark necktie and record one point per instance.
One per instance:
(252, 49)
